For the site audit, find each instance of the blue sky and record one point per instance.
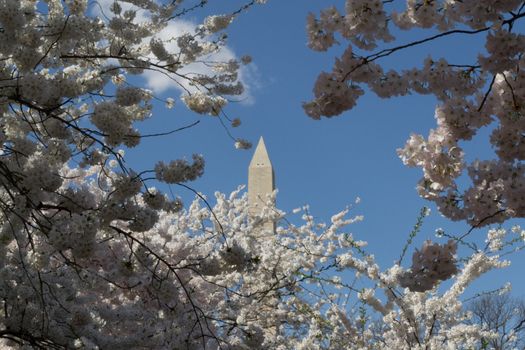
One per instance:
(327, 163)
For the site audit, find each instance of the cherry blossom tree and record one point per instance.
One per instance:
(488, 91)
(74, 219)
(470, 95)
(213, 278)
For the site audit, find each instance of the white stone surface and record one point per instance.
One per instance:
(261, 181)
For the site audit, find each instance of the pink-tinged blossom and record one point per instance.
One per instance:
(471, 95)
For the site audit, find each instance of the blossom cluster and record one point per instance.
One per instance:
(470, 96)
(430, 265)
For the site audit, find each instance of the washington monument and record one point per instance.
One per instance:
(261, 182)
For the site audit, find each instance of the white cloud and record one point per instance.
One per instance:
(161, 83)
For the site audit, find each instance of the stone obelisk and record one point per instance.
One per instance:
(261, 182)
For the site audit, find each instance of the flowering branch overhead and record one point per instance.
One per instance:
(470, 96)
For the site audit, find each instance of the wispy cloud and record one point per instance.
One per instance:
(161, 83)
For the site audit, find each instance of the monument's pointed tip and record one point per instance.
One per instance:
(260, 156)
(260, 144)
